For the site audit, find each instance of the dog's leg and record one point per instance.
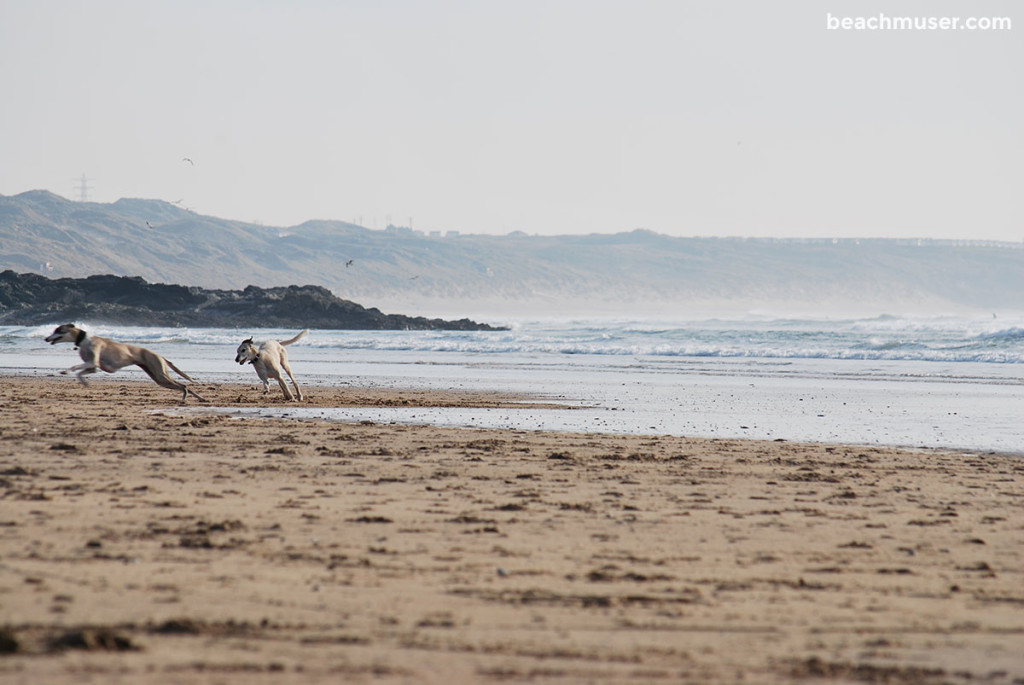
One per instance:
(82, 369)
(190, 391)
(78, 367)
(261, 371)
(157, 370)
(288, 370)
(284, 387)
(162, 381)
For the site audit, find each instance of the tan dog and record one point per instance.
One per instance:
(108, 355)
(269, 358)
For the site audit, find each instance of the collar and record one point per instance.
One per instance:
(80, 338)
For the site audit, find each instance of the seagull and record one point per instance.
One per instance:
(149, 224)
(349, 263)
(187, 159)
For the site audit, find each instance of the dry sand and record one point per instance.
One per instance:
(146, 547)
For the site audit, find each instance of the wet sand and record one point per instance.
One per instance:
(138, 545)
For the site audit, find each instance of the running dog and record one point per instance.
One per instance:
(108, 355)
(269, 358)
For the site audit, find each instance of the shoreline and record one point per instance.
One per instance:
(803, 381)
(137, 545)
(407, 401)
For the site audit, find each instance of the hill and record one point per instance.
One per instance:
(397, 268)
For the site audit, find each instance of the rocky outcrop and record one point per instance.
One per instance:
(30, 299)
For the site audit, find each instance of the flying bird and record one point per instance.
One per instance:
(349, 263)
(149, 225)
(189, 160)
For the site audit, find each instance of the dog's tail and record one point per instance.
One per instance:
(179, 371)
(295, 339)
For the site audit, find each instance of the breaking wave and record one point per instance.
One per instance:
(946, 339)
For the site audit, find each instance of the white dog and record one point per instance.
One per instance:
(108, 355)
(269, 358)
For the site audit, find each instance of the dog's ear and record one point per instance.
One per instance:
(247, 341)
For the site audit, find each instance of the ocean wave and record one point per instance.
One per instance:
(882, 352)
(941, 340)
(879, 345)
(1007, 334)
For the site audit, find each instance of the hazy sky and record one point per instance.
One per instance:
(717, 117)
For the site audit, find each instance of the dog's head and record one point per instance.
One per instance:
(67, 332)
(246, 353)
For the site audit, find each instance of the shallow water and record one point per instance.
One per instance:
(941, 382)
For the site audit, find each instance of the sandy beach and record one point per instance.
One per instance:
(139, 544)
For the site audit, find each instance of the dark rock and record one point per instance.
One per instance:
(30, 299)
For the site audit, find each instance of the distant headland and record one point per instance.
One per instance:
(31, 299)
